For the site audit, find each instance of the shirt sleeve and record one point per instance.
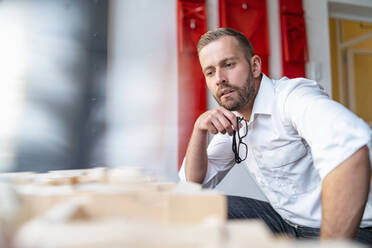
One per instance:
(220, 160)
(333, 132)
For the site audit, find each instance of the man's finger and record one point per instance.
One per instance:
(231, 117)
(218, 125)
(226, 124)
(212, 129)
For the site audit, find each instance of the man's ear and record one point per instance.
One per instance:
(256, 66)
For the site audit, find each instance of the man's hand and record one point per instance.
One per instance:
(217, 120)
(213, 121)
(344, 195)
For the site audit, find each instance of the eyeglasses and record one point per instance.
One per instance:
(238, 146)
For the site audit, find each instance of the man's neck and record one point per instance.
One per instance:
(247, 110)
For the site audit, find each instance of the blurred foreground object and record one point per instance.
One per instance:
(53, 72)
(124, 207)
(9, 210)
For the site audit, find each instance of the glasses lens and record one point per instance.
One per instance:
(243, 151)
(243, 127)
(242, 131)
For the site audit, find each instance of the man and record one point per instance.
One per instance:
(309, 154)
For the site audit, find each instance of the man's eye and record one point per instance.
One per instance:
(229, 64)
(209, 73)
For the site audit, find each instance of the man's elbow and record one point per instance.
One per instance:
(362, 160)
(355, 170)
(195, 178)
(358, 163)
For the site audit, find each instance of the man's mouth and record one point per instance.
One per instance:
(226, 92)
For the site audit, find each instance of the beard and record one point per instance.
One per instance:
(245, 95)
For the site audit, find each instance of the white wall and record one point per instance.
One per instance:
(275, 58)
(317, 27)
(212, 23)
(142, 86)
(317, 13)
(357, 10)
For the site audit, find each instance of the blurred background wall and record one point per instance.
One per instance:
(142, 86)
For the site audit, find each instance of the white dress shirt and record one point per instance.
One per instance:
(296, 136)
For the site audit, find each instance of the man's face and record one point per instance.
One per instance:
(227, 72)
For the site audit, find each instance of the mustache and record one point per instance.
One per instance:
(225, 86)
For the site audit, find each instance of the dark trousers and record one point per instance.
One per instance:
(247, 208)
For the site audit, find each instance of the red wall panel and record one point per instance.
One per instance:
(250, 18)
(192, 100)
(294, 40)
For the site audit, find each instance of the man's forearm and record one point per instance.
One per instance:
(344, 195)
(213, 121)
(196, 156)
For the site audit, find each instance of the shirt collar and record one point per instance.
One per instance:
(263, 103)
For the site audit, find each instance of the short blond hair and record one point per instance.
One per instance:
(216, 34)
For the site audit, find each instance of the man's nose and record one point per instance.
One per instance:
(220, 77)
